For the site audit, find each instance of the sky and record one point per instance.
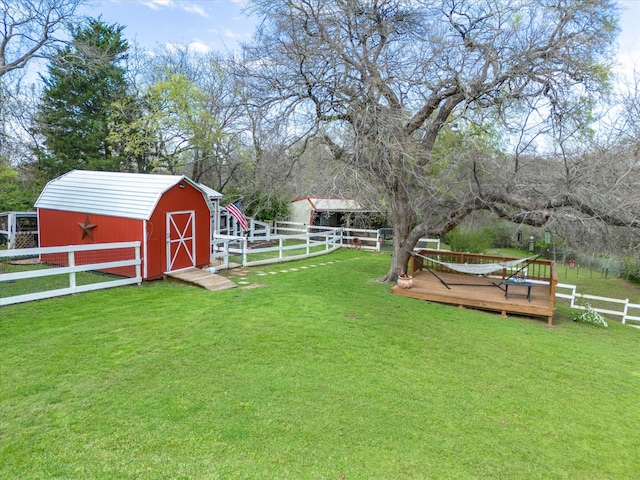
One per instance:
(205, 25)
(220, 25)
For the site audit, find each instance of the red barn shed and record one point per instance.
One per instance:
(172, 216)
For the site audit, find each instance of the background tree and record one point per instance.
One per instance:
(32, 29)
(17, 188)
(15, 193)
(29, 31)
(84, 82)
(133, 134)
(379, 80)
(174, 123)
(189, 120)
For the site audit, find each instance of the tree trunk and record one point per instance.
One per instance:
(196, 169)
(402, 218)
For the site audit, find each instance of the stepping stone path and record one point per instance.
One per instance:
(296, 269)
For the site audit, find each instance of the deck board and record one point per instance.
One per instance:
(202, 278)
(480, 293)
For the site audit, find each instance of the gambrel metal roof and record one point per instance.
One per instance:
(210, 192)
(128, 195)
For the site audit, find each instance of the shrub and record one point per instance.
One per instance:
(266, 207)
(630, 270)
(589, 315)
(474, 241)
(503, 235)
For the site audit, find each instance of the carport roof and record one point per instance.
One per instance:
(333, 204)
(128, 195)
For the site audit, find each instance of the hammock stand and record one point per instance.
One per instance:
(478, 269)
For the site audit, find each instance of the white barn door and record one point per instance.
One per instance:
(181, 240)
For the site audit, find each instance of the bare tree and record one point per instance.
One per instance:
(380, 80)
(31, 29)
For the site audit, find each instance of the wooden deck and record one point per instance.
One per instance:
(486, 297)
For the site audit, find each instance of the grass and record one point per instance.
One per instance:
(315, 372)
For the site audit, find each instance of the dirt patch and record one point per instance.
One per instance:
(236, 273)
(233, 272)
(253, 285)
(26, 261)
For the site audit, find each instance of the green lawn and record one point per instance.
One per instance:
(312, 373)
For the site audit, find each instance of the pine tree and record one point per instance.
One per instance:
(84, 82)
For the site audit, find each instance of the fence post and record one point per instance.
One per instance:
(72, 263)
(244, 251)
(573, 297)
(70, 269)
(626, 311)
(139, 264)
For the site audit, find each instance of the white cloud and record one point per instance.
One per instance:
(186, 6)
(231, 34)
(158, 4)
(199, 47)
(193, 8)
(195, 46)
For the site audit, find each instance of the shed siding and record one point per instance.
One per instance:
(59, 228)
(304, 209)
(173, 200)
(301, 211)
(121, 196)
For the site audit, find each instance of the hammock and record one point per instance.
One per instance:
(478, 269)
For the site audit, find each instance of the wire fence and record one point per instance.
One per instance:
(579, 265)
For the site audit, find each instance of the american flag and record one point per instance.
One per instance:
(235, 209)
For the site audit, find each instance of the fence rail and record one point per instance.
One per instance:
(283, 248)
(311, 245)
(573, 296)
(70, 260)
(633, 318)
(319, 242)
(366, 239)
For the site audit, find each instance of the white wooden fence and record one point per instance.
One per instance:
(367, 239)
(291, 236)
(320, 242)
(625, 313)
(284, 248)
(228, 226)
(69, 268)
